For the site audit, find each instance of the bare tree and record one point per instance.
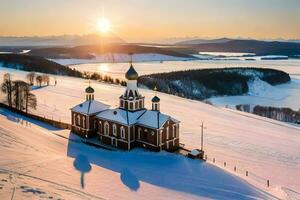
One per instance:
(30, 99)
(46, 79)
(30, 77)
(39, 80)
(7, 88)
(19, 93)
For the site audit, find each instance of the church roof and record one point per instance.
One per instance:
(131, 74)
(121, 116)
(146, 118)
(154, 119)
(155, 99)
(90, 107)
(89, 90)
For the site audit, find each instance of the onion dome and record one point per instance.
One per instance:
(131, 74)
(89, 90)
(155, 99)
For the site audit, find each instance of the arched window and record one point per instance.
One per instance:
(174, 130)
(131, 106)
(78, 120)
(106, 128)
(139, 133)
(140, 104)
(122, 132)
(121, 103)
(100, 127)
(83, 123)
(126, 104)
(114, 129)
(136, 105)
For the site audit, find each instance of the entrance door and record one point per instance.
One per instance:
(114, 142)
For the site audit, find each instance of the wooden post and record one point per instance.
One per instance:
(224, 164)
(214, 160)
(234, 168)
(246, 173)
(268, 183)
(202, 128)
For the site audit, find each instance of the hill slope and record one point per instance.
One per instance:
(40, 162)
(268, 149)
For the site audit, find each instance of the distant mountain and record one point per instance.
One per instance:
(65, 40)
(91, 51)
(246, 46)
(204, 41)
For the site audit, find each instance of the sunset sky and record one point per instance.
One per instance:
(153, 20)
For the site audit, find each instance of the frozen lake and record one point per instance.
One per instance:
(117, 70)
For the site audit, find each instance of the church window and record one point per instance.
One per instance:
(115, 130)
(131, 106)
(122, 132)
(167, 132)
(100, 127)
(78, 120)
(106, 128)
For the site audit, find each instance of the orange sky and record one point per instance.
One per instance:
(153, 20)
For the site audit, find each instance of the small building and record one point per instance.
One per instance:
(129, 125)
(83, 115)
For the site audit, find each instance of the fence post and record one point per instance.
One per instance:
(246, 173)
(268, 183)
(234, 168)
(214, 160)
(224, 164)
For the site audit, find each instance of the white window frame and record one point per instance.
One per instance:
(114, 129)
(122, 130)
(167, 132)
(174, 130)
(100, 127)
(106, 128)
(83, 122)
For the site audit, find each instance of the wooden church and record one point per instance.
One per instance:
(129, 125)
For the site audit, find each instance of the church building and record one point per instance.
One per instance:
(129, 125)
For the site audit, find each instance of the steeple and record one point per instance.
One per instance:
(131, 100)
(89, 92)
(155, 101)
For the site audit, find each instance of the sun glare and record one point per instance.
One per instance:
(104, 25)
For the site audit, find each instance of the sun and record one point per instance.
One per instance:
(104, 25)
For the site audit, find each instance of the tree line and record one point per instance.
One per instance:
(103, 78)
(18, 92)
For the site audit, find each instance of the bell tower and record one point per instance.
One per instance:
(155, 102)
(89, 92)
(132, 100)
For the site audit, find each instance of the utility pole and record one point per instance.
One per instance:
(202, 128)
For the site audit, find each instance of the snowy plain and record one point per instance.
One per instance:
(266, 148)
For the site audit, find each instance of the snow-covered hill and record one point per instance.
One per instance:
(266, 148)
(39, 162)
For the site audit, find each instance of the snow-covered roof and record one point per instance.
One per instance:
(121, 116)
(195, 152)
(148, 118)
(90, 107)
(153, 119)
